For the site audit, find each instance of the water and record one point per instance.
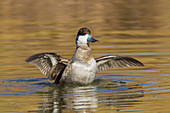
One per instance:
(135, 28)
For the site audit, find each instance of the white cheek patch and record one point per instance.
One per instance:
(83, 38)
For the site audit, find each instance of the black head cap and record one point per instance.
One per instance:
(84, 31)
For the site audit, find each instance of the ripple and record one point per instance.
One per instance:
(112, 77)
(110, 46)
(25, 80)
(118, 89)
(165, 74)
(25, 86)
(145, 53)
(146, 84)
(15, 93)
(106, 76)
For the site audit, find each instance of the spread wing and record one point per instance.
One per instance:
(115, 61)
(50, 64)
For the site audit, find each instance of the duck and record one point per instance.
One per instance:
(82, 67)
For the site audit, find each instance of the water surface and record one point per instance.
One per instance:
(134, 28)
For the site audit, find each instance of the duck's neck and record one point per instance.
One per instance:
(82, 53)
(82, 46)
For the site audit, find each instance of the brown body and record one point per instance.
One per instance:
(82, 68)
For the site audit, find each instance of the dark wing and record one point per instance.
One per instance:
(115, 61)
(50, 64)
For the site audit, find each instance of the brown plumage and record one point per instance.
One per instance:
(62, 69)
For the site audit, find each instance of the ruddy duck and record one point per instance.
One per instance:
(83, 67)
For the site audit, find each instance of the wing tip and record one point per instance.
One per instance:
(138, 63)
(141, 64)
(29, 59)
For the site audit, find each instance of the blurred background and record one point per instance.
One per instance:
(134, 28)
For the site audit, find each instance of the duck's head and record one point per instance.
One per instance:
(84, 36)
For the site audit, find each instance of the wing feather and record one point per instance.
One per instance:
(115, 61)
(50, 64)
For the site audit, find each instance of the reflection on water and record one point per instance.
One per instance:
(76, 98)
(135, 28)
